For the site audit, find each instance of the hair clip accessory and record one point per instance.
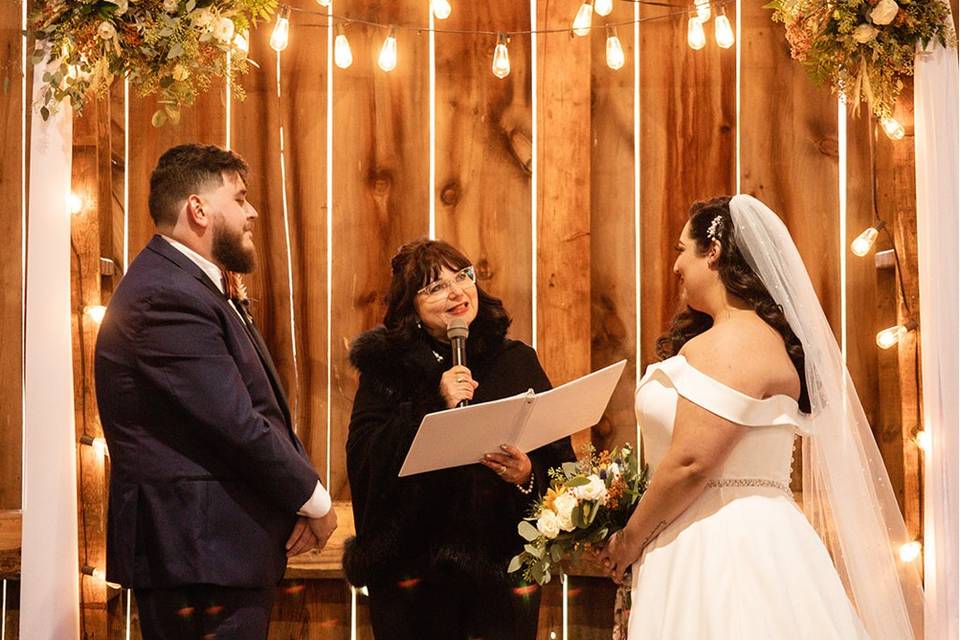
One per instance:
(715, 230)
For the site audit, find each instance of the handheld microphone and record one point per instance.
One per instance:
(457, 333)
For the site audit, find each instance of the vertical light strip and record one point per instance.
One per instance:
(126, 634)
(126, 174)
(636, 198)
(228, 101)
(24, 141)
(842, 185)
(564, 608)
(329, 223)
(3, 609)
(353, 613)
(739, 62)
(432, 42)
(533, 173)
(286, 235)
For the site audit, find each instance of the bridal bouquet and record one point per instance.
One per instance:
(587, 502)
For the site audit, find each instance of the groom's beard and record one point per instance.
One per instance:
(229, 252)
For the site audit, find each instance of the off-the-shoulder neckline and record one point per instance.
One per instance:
(778, 396)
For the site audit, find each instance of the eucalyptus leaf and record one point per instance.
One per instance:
(532, 550)
(570, 468)
(527, 531)
(514, 564)
(578, 481)
(159, 118)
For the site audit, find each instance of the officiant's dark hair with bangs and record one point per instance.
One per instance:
(187, 169)
(416, 265)
(740, 280)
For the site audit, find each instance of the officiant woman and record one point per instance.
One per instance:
(432, 549)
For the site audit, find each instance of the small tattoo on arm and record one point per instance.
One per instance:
(653, 534)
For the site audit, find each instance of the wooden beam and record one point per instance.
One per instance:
(10, 532)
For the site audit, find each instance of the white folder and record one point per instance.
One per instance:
(527, 421)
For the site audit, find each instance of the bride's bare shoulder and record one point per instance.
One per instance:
(746, 354)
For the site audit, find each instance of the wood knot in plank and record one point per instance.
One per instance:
(829, 146)
(450, 194)
(381, 181)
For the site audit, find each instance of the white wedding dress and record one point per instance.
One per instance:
(741, 562)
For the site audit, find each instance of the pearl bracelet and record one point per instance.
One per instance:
(527, 489)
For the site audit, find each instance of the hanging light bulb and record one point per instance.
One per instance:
(387, 60)
(722, 30)
(99, 445)
(501, 57)
(441, 9)
(241, 42)
(703, 9)
(342, 55)
(696, 38)
(910, 551)
(74, 203)
(98, 575)
(864, 242)
(923, 440)
(891, 335)
(581, 24)
(615, 57)
(281, 30)
(893, 128)
(603, 7)
(95, 312)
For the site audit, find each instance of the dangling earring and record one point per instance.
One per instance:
(419, 326)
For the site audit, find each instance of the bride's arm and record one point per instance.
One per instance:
(700, 444)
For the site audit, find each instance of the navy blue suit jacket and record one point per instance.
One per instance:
(206, 474)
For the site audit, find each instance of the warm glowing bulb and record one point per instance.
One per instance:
(892, 128)
(890, 336)
(501, 58)
(603, 7)
(281, 30)
(581, 24)
(863, 242)
(696, 38)
(723, 31)
(923, 440)
(703, 9)
(387, 59)
(910, 551)
(99, 445)
(241, 43)
(74, 203)
(441, 9)
(342, 55)
(323, 3)
(615, 57)
(99, 575)
(95, 312)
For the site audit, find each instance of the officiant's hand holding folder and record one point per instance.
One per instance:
(527, 421)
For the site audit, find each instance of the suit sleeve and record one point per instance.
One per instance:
(182, 350)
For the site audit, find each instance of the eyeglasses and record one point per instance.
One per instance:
(464, 279)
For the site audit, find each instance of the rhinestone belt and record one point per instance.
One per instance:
(749, 482)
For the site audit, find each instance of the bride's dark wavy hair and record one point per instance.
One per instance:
(739, 280)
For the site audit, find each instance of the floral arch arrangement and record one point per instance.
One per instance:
(172, 48)
(863, 48)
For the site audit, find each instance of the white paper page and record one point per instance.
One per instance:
(570, 407)
(461, 436)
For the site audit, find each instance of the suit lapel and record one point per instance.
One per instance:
(164, 248)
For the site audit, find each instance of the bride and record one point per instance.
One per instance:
(718, 547)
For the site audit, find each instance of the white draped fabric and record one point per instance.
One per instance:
(937, 149)
(50, 576)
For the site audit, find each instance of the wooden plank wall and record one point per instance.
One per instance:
(565, 259)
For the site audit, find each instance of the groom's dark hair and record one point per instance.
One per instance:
(710, 220)
(187, 169)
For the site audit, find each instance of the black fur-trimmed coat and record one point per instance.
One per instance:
(452, 524)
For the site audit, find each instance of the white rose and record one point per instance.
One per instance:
(884, 12)
(565, 503)
(106, 30)
(613, 470)
(224, 29)
(202, 18)
(865, 33)
(170, 5)
(594, 490)
(180, 72)
(548, 524)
